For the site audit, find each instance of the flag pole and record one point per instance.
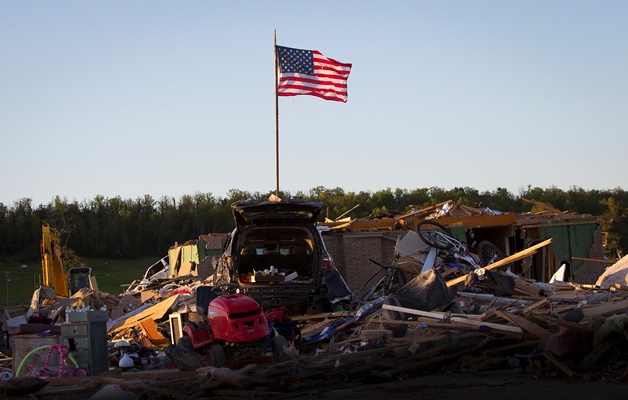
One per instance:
(276, 119)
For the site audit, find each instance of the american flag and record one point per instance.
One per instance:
(308, 72)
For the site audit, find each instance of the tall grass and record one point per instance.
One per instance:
(18, 281)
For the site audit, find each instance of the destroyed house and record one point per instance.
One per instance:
(576, 238)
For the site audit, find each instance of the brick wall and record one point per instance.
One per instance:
(351, 253)
(590, 271)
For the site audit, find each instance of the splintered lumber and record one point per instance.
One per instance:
(495, 301)
(619, 288)
(554, 360)
(434, 314)
(149, 327)
(186, 269)
(65, 391)
(21, 386)
(460, 320)
(524, 323)
(227, 375)
(535, 306)
(605, 309)
(543, 205)
(366, 224)
(358, 357)
(528, 288)
(155, 312)
(424, 211)
(314, 329)
(324, 316)
(505, 261)
(415, 328)
(583, 328)
(374, 334)
(434, 356)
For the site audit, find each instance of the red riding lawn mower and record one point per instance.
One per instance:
(234, 331)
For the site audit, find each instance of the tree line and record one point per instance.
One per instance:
(129, 228)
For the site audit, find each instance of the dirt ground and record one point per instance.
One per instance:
(493, 385)
(496, 385)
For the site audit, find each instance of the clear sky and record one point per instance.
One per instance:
(167, 98)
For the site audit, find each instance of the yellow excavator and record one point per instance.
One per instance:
(53, 269)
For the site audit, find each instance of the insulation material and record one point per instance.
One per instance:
(616, 273)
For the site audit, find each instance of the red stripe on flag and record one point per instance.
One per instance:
(329, 81)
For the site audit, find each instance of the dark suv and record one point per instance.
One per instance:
(277, 256)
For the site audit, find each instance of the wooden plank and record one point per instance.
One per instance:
(528, 288)
(598, 260)
(559, 364)
(414, 327)
(310, 317)
(543, 205)
(535, 306)
(426, 210)
(312, 329)
(434, 356)
(433, 314)
(542, 224)
(589, 286)
(175, 262)
(353, 357)
(406, 263)
(505, 261)
(465, 210)
(479, 220)
(366, 224)
(335, 225)
(586, 329)
(150, 329)
(525, 287)
(155, 312)
(461, 320)
(374, 334)
(605, 309)
(186, 269)
(524, 324)
(227, 375)
(146, 295)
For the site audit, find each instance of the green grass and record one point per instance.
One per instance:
(18, 284)
(110, 275)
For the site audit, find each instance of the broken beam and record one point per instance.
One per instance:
(461, 320)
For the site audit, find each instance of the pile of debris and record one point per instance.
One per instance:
(487, 319)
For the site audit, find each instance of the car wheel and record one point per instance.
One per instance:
(186, 342)
(281, 347)
(219, 358)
